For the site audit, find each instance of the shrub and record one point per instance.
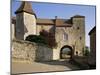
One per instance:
(45, 37)
(36, 39)
(49, 37)
(86, 51)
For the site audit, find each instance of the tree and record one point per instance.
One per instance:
(36, 39)
(49, 37)
(86, 51)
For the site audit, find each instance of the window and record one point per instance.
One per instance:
(80, 37)
(78, 28)
(65, 36)
(77, 53)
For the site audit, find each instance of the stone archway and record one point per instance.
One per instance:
(66, 52)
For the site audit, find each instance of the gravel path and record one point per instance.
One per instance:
(42, 67)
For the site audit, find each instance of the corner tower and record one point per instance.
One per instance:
(78, 34)
(25, 21)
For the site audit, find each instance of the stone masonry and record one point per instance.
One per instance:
(92, 57)
(29, 51)
(68, 32)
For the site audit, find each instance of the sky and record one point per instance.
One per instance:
(63, 11)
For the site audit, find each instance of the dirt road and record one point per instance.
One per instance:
(42, 67)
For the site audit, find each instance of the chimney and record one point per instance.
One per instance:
(56, 17)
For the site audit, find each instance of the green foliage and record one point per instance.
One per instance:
(45, 37)
(86, 51)
(49, 37)
(36, 39)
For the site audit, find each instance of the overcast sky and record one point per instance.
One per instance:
(64, 11)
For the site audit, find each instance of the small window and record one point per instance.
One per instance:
(77, 53)
(80, 38)
(78, 28)
(65, 36)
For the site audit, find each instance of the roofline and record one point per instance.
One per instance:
(44, 24)
(26, 12)
(55, 25)
(25, 7)
(48, 24)
(92, 30)
(78, 16)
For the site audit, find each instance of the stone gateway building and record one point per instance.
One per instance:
(69, 33)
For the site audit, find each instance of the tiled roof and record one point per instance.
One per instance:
(78, 16)
(92, 30)
(63, 23)
(57, 22)
(25, 7)
(45, 21)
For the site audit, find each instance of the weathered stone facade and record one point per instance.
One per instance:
(25, 25)
(44, 53)
(25, 21)
(73, 36)
(13, 27)
(22, 50)
(68, 32)
(29, 51)
(92, 57)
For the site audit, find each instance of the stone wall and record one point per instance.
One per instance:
(13, 30)
(43, 27)
(75, 37)
(28, 51)
(25, 25)
(79, 34)
(44, 53)
(30, 24)
(92, 57)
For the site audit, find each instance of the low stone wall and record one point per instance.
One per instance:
(81, 61)
(29, 51)
(22, 50)
(44, 53)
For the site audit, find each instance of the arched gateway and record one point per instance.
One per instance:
(66, 52)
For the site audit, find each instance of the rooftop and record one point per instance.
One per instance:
(25, 7)
(92, 30)
(57, 22)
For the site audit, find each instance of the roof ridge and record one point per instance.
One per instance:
(25, 7)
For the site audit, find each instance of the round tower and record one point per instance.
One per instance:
(25, 21)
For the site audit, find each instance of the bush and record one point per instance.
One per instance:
(86, 51)
(45, 37)
(36, 39)
(49, 37)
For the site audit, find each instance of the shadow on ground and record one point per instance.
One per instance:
(62, 62)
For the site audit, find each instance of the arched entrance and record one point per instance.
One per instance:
(66, 52)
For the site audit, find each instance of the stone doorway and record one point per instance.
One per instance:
(66, 52)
